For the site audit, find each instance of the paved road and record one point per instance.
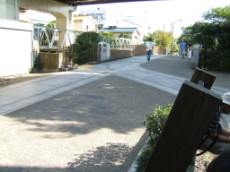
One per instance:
(86, 119)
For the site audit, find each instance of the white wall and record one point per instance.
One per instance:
(16, 47)
(88, 23)
(9, 9)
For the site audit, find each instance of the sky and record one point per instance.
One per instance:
(162, 14)
(154, 14)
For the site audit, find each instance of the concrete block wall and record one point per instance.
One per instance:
(138, 50)
(117, 54)
(50, 62)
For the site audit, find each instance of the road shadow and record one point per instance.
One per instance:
(112, 102)
(99, 126)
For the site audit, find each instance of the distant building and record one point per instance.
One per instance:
(106, 19)
(98, 15)
(84, 23)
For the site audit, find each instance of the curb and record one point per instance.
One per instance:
(134, 165)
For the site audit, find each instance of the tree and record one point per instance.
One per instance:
(214, 36)
(162, 39)
(213, 33)
(219, 15)
(201, 32)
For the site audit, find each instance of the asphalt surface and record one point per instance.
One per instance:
(90, 119)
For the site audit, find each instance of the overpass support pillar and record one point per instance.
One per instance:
(65, 21)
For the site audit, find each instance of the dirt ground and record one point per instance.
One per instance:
(203, 161)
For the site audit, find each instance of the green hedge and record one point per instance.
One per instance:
(218, 60)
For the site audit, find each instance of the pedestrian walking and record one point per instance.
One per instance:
(183, 48)
(189, 51)
(149, 48)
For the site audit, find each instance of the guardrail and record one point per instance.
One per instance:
(52, 39)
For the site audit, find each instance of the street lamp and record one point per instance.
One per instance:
(172, 25)
(172, 30)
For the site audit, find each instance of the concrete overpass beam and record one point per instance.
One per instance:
(61, 11)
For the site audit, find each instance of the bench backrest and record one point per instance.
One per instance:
(186, 125)
(203, 78)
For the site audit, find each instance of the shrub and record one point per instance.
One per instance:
(83, 43)
(154, 122)
(218, 60)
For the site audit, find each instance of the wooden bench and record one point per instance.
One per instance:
(203, 78)
(186, 125)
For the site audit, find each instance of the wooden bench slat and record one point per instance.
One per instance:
(186, 125)
(206, 77)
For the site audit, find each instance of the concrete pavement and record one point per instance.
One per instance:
(89, 118)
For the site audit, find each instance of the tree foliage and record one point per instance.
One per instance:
(214, 35)
(162, 39)
(51, 24)
(85, 40)
(219, 15)
(107, 36)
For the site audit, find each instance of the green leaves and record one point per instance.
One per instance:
(162, 39)
(218, 15)
(156, 120)
(86, 39)
(212, 33)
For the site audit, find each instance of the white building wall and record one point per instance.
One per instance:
(88, 25)
(9, 9)
(16, 47)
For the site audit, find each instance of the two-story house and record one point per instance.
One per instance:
(85, 23)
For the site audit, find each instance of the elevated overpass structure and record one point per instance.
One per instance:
(9, 9)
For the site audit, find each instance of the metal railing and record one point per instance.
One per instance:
(46, 39)
(52, 39)
(55, 39)
(122, 43)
